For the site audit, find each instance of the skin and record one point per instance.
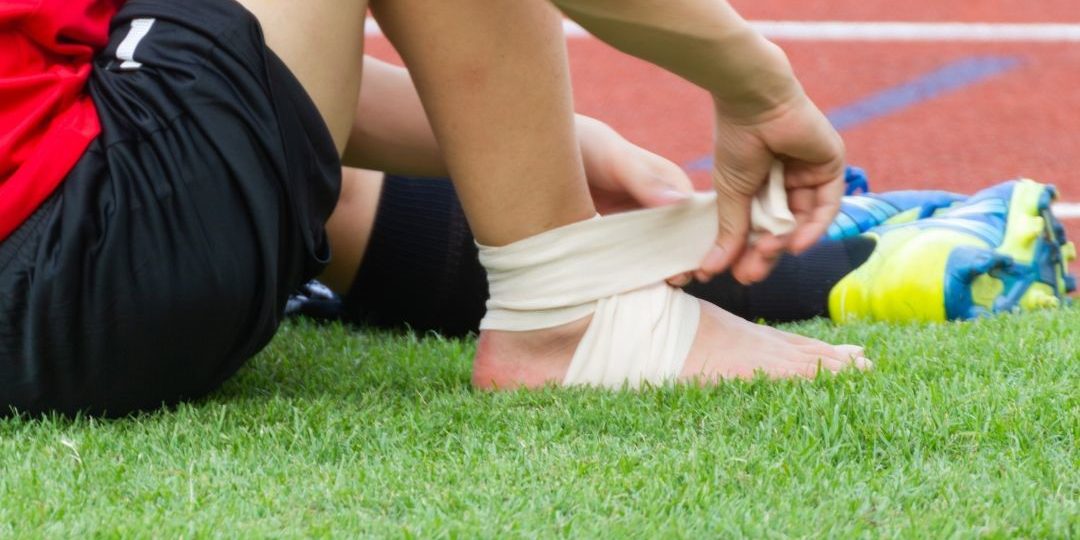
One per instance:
(331, 31)
(390, 131)
(508, 136)
(762, 114)
(511, 187)
(621, 176)
(494, 82)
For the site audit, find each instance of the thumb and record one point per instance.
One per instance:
(653, 180)
(652, 188)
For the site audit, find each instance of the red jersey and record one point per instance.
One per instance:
(46, 119)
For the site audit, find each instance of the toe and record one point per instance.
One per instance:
(851, 351)
(856, 356)
(830, 358)
(834, 365)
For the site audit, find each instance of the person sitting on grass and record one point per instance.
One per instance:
(168, 171)
(160, 159)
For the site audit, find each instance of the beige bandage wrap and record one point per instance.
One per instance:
(614, 268)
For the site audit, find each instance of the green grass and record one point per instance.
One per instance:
(962, 430)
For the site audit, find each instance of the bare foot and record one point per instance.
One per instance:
(726, 347)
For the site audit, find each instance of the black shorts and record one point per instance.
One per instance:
(165, 258)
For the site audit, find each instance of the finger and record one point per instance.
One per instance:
(653, 191)
(671, 174)
(734, 225)
(651, 187)
(680, 280)
(758, 260)
(801, 202)
(817, 222)
(651, 180)
(814, 207)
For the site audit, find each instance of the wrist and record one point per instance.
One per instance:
(759, 82)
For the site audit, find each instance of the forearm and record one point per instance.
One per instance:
(391, 132)
(703, 41)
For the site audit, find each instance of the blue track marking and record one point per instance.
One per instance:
(948, 78)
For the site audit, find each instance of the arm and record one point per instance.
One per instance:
(762, 114)
(704, 41)
(391, 133)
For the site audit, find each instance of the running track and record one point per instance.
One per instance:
(920, 103)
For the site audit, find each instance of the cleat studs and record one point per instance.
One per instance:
(1068, 252)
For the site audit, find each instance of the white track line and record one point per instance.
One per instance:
(1067, 210)
(903, 31)
(891, 31)
(882, 31)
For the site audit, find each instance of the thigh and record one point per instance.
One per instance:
(321, 41)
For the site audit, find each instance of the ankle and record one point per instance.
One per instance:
(507, 360)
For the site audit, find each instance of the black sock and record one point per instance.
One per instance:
(797, 289)
(420, 269)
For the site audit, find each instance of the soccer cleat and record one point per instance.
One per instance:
(855, 181)
(860, 213)
(861, 210)
(1000, 250)
(315, 300)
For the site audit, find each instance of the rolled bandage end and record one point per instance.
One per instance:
(769, 211)
(614, 268)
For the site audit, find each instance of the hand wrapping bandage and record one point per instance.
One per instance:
(614, 267)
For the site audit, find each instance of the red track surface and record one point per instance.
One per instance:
(1025, 122)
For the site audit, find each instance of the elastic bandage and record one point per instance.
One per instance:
(613, 268)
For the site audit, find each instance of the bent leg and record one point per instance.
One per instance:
(493, 80)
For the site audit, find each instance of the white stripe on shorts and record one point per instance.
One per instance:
(126, 50)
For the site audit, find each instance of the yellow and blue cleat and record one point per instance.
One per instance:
(999, 250)
(861, 210)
